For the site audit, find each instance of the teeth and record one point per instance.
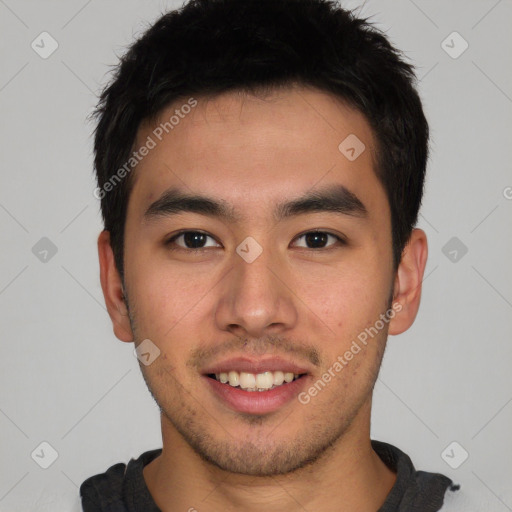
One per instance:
(278, 378)
(256, 382)
(288, 377)
(247, 380)
(234, 378)
(264, 380)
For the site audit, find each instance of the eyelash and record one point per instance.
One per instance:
(339, 240)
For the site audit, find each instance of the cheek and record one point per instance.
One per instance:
(344, 299)
(165, 297)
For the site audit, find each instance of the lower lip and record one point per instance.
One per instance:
(257, 402)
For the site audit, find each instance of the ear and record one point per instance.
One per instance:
(408, 280)
(112, 287)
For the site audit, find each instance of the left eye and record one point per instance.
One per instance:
(319, 239)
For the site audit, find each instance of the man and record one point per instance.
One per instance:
(260, 168)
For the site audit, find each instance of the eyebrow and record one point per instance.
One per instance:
(333, 198)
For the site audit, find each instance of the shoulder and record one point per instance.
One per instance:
(413, 490)
(104, 489)
(109, 491)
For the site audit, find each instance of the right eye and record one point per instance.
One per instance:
(193, 241)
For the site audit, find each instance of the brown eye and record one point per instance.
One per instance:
(192, 240)
(319, 240)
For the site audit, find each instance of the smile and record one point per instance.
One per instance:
(264, 381)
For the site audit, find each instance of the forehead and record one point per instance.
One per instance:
(251, 150)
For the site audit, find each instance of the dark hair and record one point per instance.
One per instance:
(208, 47)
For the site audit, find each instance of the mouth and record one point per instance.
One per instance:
(256, 387)
(251, 382)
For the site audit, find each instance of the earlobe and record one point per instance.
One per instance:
(408, 281)
(112, 287)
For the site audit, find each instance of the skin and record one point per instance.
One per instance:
(293, 300)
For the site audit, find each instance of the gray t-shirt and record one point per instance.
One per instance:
(122, 487)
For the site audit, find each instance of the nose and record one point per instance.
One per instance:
(256, 298)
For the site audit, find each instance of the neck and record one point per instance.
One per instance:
(349, 476)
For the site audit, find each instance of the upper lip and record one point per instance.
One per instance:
(251, 365)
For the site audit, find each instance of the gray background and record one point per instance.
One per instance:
(64, 377)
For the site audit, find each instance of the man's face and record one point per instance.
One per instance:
(295, 307)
